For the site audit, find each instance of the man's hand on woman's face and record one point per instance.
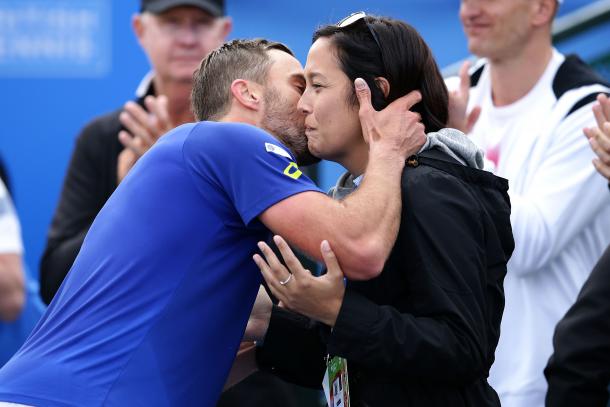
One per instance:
(396, 128)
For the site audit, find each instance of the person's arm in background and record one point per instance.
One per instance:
(549, 214)
(12, 286)
(578, 372)
(564, 195)
(12, 278)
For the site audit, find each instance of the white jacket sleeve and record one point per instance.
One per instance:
(563, 196)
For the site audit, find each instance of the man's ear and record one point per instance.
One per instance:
(247, 94)
(383, 84)
(138, 26)
(227, 26)
(543, 12)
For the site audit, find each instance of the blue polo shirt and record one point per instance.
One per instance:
(156, 303)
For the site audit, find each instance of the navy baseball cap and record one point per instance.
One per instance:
(214, 7)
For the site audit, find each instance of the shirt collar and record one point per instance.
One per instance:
(144, 88)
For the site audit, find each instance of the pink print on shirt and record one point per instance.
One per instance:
(493, 154)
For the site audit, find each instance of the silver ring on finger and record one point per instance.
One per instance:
(287, 280)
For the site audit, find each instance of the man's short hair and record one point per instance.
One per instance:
(236, 59)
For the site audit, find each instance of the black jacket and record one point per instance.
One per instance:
(578, 372)
(424, 332)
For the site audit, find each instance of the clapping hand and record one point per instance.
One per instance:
(599, 137)
(143, 129)
(458, 103)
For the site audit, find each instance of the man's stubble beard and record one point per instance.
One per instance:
(287, 124)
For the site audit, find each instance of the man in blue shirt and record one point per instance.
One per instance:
(155, 305)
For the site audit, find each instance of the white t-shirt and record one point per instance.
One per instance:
(560, 219)
(10, 232)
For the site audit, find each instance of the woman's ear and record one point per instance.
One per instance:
(383, 84)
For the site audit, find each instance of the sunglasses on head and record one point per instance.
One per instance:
(354, 18)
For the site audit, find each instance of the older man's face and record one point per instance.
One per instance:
(176, 40)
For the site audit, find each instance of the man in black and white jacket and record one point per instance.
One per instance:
(578, 373)
(532, 103)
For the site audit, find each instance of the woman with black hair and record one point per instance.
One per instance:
(424, 331)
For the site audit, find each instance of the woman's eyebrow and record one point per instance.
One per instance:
(314, 74)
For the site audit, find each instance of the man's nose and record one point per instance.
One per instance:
(469, 9)
(188, 34)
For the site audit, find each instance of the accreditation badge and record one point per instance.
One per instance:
(335, 384)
